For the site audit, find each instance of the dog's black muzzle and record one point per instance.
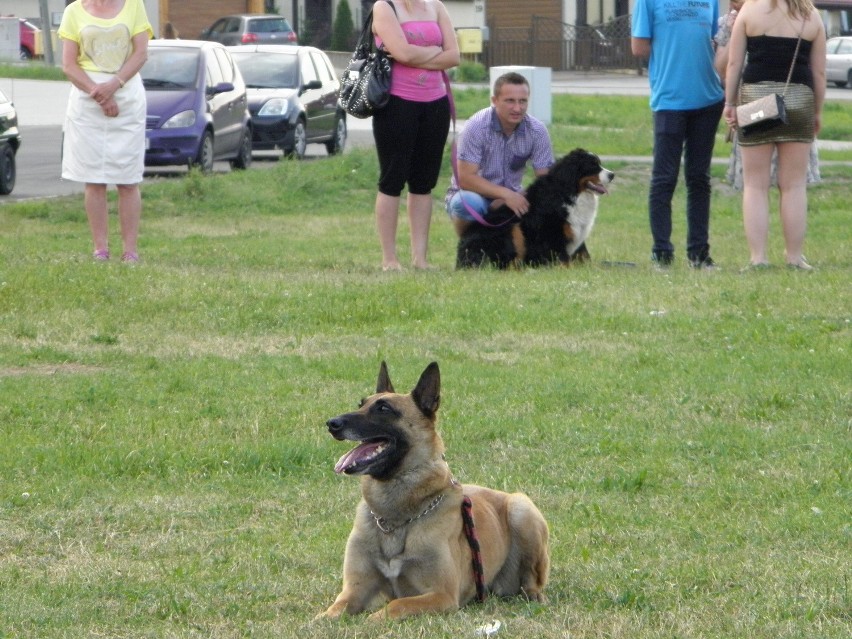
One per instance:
(336, 426)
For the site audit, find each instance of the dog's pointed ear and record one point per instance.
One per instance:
(383, 385)
(427, 393)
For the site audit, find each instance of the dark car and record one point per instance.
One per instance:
(197, 106)
(250, 29)
(10, 141)
(838, 61)
(292, 95)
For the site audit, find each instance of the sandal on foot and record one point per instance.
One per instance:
(801, 265)
(756, 266)
(130, 258)
(101, 255)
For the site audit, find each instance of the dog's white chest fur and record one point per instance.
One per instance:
(581, 217)
(391, 569)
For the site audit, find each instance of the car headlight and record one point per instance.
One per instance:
(181, 120)
(275, 106)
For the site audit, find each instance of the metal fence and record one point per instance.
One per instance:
(562, 47)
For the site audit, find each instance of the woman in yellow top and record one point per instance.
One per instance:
(105, 45)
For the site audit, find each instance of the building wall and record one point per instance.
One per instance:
(515, 13)
(31, 8)
(189, 18)
(467, 14)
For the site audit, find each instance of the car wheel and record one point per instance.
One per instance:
(7, 169)
(204, 159)
(849, 78)
(243, 160)
(335, 145)
(300, 141)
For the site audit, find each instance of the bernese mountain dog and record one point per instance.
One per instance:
(563, 207)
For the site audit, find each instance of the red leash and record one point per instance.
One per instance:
(473, 540)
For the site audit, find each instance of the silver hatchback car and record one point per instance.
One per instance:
(250, 29)
(838, 61)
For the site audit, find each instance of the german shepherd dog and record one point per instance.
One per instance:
(408, 547)
(563, 207)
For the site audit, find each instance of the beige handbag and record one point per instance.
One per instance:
(762, 114)
(769, 111)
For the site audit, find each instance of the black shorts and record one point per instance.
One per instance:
(410, 139)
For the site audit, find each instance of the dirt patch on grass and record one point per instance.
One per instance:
(49, 369)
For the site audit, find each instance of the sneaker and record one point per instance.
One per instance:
(705, 263)
(662, 258)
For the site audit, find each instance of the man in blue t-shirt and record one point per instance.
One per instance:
(687, 102)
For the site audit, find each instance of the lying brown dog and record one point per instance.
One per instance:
(408, 547)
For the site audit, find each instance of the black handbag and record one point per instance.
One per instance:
(365, 84)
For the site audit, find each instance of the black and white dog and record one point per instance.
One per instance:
(563, 207)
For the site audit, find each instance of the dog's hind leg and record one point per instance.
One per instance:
(529, 546)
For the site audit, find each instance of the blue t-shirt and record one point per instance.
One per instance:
(680, 70)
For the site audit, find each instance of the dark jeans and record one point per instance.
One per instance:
(690, 134)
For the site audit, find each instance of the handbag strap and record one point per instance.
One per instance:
(367, 40)
(795, 55)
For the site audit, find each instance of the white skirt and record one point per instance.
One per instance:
(101, 150)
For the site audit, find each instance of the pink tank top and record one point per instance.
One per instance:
(410, 83)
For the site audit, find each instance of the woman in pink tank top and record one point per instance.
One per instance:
(411, 131)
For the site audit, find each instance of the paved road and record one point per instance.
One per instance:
(41, 110)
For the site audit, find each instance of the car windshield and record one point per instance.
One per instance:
(170, 68)
(268, 70)
(266, 25)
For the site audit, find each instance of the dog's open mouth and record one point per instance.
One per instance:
(360, 458)
(597, 187)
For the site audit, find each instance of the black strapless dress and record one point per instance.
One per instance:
(766, 72)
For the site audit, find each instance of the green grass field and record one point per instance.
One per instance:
(166, 470)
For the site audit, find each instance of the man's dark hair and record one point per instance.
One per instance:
(509, 78)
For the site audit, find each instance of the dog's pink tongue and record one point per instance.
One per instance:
(364, 451)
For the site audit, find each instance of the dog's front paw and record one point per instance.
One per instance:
(332, 612)
(380, 615)
(534, 595)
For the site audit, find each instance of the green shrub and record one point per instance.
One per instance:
(343, 32)
(469, 71)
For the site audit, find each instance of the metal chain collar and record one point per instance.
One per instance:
(382, 523)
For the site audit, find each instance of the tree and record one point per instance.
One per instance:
(343, 32)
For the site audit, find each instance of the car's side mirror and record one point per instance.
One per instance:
(222, 87)
(313, 84)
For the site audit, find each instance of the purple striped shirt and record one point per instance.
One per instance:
(502, 159)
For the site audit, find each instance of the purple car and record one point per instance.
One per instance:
(197, 106)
